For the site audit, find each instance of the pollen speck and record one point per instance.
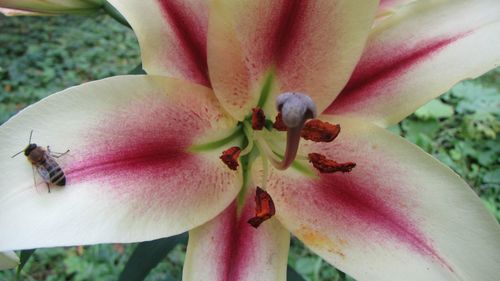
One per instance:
(325, 165)
(319, 131)
(264, 207)
(317, 239)
(230, 157)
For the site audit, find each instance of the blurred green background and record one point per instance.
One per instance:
(42, 55)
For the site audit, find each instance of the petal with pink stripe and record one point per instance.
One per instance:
(129, 173)
(399, 215)
(172, 35)
(228, 248)
(419, 53)
(306, 46)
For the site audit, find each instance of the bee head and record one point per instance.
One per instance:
(29, 148)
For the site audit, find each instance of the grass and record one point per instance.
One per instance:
(40, 56)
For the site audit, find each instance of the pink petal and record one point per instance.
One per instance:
(228, 248)
(172, 35)
(129, 173)
(310, 46)
(399, 215)
(419, 53)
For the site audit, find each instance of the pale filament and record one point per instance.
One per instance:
(250, 137)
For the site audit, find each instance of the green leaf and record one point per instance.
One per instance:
(137, 70)
(420, 132)
(306, 265)
(292, 275)
(492, 176)
(395, 129)
(113, 12)
(476, 98)
(435, 109)
(147, 255)
(25, 256)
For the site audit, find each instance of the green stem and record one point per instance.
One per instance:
(218, 143)
(246, 165)
(266, 89)
(112, 12)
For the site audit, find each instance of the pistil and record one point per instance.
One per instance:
(295, 109)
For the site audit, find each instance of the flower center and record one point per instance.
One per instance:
(260, 137)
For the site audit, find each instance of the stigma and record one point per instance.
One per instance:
(295, 108)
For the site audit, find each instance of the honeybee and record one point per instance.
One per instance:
(43, 161)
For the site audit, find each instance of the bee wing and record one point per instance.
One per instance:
(44, 173)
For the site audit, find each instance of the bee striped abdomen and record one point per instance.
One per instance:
(56, 174)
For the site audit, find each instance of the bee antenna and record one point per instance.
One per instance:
(31, 134)
(16, 154)
(29, 142)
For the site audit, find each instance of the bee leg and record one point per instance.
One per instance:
(48, 186)
(56, 154)
(34, 179)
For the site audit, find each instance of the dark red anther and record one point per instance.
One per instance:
(230, 157)
(279, 124)
(258, 118)
(325, 165)
(319, 131)
(264, 207)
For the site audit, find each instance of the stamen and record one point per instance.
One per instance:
(279, 124)
(319, 131)
(264, 207)
(258, 118)
(325, 165)
(295, 108)
(230, 157)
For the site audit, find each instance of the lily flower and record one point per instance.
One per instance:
(8, 260)
(258, 119)
(49, 7)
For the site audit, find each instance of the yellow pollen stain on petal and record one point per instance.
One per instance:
(316, 239)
